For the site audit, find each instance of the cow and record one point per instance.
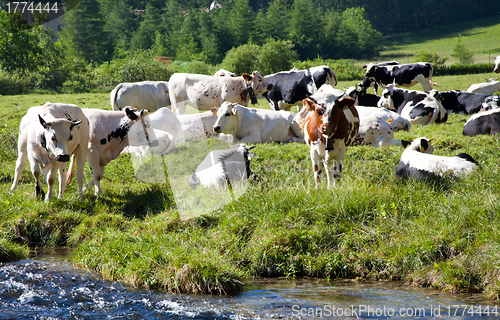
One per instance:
(367, 83)
(198, 126)
(48, 135)
(205, 92)
(150, 95)
(458, 101)
(110, 133)
(489, 87)
(164, 119)
(330, 126)
(497, 65)
(417, 107)
(290, 87)
(224, 73)
(224, 168)
(250, 125)
(396, 121)
(402, 75)
(483, 123)
(165, 145)
(362, 97)
(418, 162)
(374, 131)
(490, 103)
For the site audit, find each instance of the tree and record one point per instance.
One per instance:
(463, 55)
(242, 59)
(276, 55)
(303, 29)
(85, 32)
(145, 36)
(241, 22)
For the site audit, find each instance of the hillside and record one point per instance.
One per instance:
(480, 36)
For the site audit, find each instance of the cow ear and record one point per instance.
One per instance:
(310, 105)
(74, 124)
(247, 77)
(424, 144)
(131, 114)
(405, 143)
(346, 103)
(250, 156)
(43, 122)
(144, 112)
(364, 66)
(234, 111)
(214, 110)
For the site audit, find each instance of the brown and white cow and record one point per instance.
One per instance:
(205, 92)
(110, 133)
(330, 126)
(48, 135)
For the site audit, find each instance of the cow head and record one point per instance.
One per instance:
(141, 131)
(327, 115)
(370, 70)
(56, 135)
(385, 100)
(257, 82)
(497, 65)
(420, 144)
(227, 118)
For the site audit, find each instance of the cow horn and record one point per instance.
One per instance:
(75, 123)
(43, 122)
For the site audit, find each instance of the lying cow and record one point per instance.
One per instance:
(458, 101)
(375, 132)
(489, 87)
(330, 126)
(205, 92)
(224, 168)
(418, 162)
(396, 121)
(497, 65)
(417, 107)
(151, 95)
(490, 103)
(48, 135)
(362, 97)
(164, 119)
(290, 87)
(250, 125)
(483, 123)
(165, 145)
(110, 133)
(198, 126)
(402, 75)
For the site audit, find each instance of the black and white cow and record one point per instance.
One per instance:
(362, 97)
(418, 162)
(487, 122)
(458, 101)
(417, 107)
(402, 75)
(490, 103)
(291, 87)
(224, 168)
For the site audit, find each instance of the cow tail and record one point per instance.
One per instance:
(71, 170)
(114, 93)
(334, 76)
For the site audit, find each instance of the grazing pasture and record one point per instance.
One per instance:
(441, 233)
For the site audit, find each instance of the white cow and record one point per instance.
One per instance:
(198, 126)
(205, 92)
(150, 95)
(48, 135)
(165, 145)
(497, 65)
(396, 121)
(489, 87)
(375, 132)
(224, 73)
(250, 125)
(164, 119)
(110, 133)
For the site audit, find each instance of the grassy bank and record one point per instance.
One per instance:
(443, 234)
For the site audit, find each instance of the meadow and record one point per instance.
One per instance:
(441, 233)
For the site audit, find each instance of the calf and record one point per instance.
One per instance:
(205, 92)
(150, 95)
(362, 97)
(224, 168)
(487, 122)
(497, 65)
(418, 162)
(489, 87)
(461, 101)
(417, 107)
(330, 126)
(402, 75)
(290, 87)
(250, 125)
(48, 135)
(110, 133)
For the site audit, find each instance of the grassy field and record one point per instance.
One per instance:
(478, 36)
(443, 234)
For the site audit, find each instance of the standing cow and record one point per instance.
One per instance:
(204, 92)
(110, 133)
(402, 75)
(150, 95)
(497, 65)
(330, 126)
(291, 87)
(48, 135)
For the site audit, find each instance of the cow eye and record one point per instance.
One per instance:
(227, 114)
(70, 137)
(54, 138)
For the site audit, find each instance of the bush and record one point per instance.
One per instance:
(275, 56)
(346, 70)
(462, 54)
(431, 57)
(244, 58)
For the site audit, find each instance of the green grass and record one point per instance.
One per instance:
(443, 234)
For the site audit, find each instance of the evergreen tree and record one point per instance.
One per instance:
(304, 29)
(145, 36)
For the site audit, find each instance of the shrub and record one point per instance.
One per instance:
(462, 54)
(431, 57)
(275, 56)
(244, 58)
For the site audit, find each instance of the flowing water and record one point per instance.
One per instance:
(48, 286)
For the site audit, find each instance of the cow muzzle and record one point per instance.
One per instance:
(62, 158)
(217, 129)
(270, 87)
(155, 143)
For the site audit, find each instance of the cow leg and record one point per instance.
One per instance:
(317, 167)
(62, 179)
(51, 178)
(20, 164)
(35, 170)
(80, 165)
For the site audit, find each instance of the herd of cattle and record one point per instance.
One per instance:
(328, 121)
